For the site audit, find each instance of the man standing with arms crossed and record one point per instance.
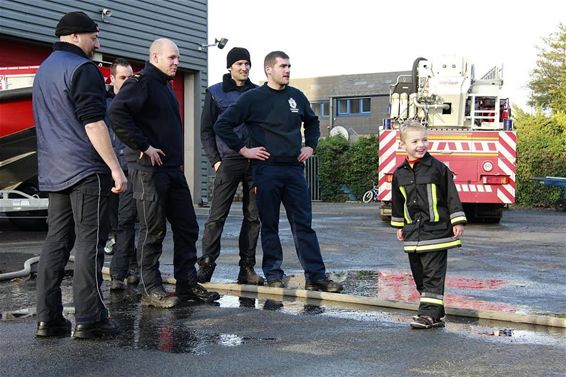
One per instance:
(231, 168)
(75, 159)
(274, 115)
(145, 115)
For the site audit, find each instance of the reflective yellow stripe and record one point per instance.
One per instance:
(430, 300)
(397, 223)
(405, 209)
(444, 245)
(458, 219)
(435, 203)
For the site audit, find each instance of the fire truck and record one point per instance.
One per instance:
(20, 199)
(469, 129)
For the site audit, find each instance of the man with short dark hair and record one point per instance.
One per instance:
(231, 168)
(122, 206)
(274, 115)
(75, 158)
(145, 115)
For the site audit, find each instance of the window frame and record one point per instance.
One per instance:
(349, 101)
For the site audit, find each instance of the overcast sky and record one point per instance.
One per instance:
(326, 37)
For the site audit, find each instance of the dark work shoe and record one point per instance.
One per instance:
(426, 322)
(59, 327)
(158, 298)
(117, 285)
(196, 292)
(206, 269)
(247, 275)
(96, 329)
(325, 285)
(276, 284)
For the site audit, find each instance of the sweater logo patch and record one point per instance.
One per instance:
(293, 105)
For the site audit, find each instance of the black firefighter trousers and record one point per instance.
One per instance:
(163, 194)
(124, 257)
(429, 274)
(228, 177)
(77, 216)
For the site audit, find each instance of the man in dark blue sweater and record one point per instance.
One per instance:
(274, 114)
(145, 115)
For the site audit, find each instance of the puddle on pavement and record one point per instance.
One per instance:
(171, 330)
(484, 329)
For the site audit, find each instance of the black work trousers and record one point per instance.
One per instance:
(228, 177)
(163, 194)
(76, 218)
(124, 258)
(429, 274)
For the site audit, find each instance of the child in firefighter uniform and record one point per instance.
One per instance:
(428, 213)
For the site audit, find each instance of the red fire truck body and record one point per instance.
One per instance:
(469, 129)
(20, 199)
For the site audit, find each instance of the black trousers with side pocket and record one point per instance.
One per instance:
(163, 194)
(228, 178)
(77, 217)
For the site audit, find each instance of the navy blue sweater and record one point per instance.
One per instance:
(146, 112)
(218, 98)
(274, 119)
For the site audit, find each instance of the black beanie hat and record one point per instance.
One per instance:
(75, 22)
(235, 54)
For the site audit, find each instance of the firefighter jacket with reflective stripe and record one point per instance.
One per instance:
(426, 205)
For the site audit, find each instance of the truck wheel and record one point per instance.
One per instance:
(560, 205)
(29, 220)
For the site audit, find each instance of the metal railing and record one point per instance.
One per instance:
(311, 173)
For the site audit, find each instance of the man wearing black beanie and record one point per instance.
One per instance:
(231, 168)
(76, 166)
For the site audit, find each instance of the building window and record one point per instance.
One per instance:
(321, 108)
(354, 106)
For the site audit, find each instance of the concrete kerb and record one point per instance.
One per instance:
(532, 319)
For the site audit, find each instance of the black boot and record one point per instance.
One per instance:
(325, 285)
(195, 292)
(247, 275)
(101, 328)
(58, 327)
(206, 269)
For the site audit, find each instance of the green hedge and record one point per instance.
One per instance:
(354, 165)
(541, 151)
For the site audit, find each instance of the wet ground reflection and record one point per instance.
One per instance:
(399, 286)
(169, 330)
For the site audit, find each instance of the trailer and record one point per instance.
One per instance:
(469, 129)
(560, 204)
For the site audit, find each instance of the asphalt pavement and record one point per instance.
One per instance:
(518, 266)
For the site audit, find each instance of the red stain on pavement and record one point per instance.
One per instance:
(471, 283)
(399, 286)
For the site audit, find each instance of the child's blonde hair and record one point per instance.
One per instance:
(410, 124)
